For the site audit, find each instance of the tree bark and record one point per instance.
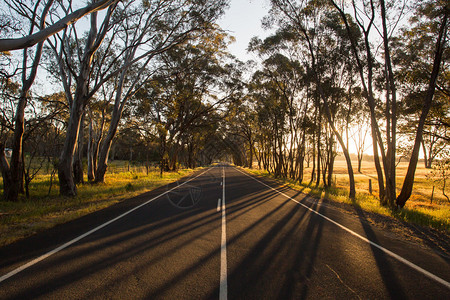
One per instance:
(409, 178)
(42, 35)
(79, 102)
(90, 153)
(78, 158)
(8, 193)
(67, 185)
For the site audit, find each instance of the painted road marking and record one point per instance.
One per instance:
(58, 249)
(218, 204)
(223, 290)
(388, 252)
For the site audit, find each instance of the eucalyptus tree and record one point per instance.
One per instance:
(74, 59)
(359, 27)
(242, 119)
(303, 18)
(435, 15)
(272, 122)
(177, 23)
(29, 9)
(133, 34)
(365, 21)
(195, 79)
(377, 15)
(34, 18)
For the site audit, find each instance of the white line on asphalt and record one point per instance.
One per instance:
(223, 291)
(218, 204)
(56, 250)
(388, 252)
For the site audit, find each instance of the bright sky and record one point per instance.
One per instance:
(243, 21)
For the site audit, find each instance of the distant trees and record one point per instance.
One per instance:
(348, 82)
(188, 94)
(117, 53)
(156, 75)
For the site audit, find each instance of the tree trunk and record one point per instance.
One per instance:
(360, 157)
(319, 130)
(78, 158)
(250, 158)
(425, 156)
(104, 150)
(13, 172)
(391, 115)
(90, 154)
(67, 185)
(8, 192)
(330, 161)
(409, 178)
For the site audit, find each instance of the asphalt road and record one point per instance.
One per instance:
(259, 241)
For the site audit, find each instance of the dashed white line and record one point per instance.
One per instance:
(218, 204)
(223, 290)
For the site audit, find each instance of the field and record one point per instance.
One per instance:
(44, 210)
(418, 210)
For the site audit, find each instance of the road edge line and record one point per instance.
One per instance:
(73, 241)
(388, 252)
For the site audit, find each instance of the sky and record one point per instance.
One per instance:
(243, 21)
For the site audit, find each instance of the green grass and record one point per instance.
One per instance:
(436, 216)
(41, 211)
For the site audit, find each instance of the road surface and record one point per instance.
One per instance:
(220, 234)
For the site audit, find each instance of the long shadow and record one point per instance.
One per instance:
(270, 258)
(44, 241)
(126, 253)
(385, 268)
(308, 247)
(86, 268)
(185, 272)
(159, 222)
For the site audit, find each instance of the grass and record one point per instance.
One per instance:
(28, 216)
(418, 210)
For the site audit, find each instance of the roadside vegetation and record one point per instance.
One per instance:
(420, 210)
(331, 78)
(28, 216)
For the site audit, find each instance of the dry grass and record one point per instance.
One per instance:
(28, 216)
(418, 210)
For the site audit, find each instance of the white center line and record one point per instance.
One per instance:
(223, 291)
(218, 204)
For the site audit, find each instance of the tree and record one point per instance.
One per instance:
(80, 73)
(190, 22)
(13, 171)
(30, 39)
(439, 14)
(194, 81)
(302, 18)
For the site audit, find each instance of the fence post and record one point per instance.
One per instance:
(370, 186)
(432, 193)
